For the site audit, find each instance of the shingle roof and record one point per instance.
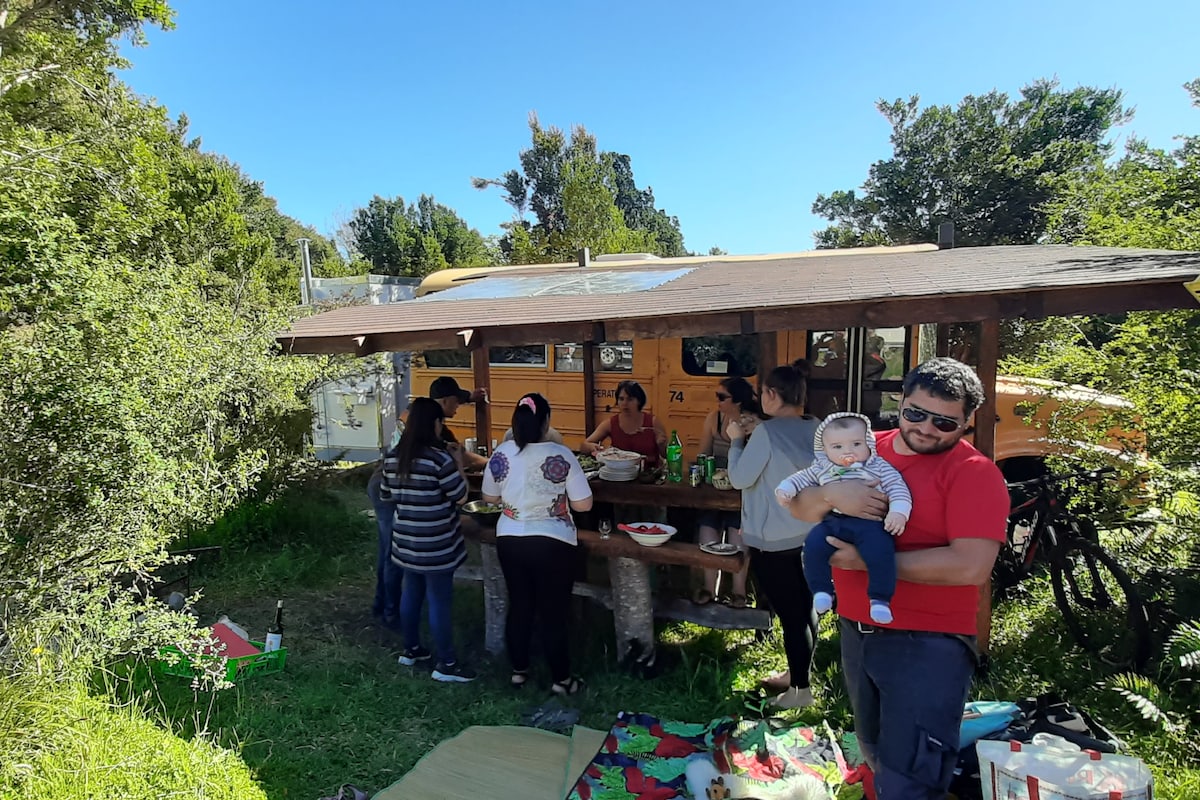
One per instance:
(845, 289)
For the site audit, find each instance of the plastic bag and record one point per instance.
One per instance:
(1052, 768)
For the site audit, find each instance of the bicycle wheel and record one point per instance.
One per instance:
(1100, 605)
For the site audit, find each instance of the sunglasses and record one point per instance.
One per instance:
(917, 415)
(722, 397)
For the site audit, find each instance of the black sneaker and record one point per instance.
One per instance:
(413, 655)
(453, 673)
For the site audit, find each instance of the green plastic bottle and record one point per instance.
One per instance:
(674, 459)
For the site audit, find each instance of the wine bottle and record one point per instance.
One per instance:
(275, 630)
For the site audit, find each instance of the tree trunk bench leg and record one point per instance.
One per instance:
(495, 600)
(633, 605)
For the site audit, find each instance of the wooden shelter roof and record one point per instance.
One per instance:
(716, 295)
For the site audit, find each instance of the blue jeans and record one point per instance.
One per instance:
(907, 689)
(875, 545)
(439, 588)
(388, 576)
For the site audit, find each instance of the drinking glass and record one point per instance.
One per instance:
(605, 528)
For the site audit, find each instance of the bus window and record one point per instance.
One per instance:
(526, 355)
(727, 356)
(885, 359)
(443, 359)
(884, 354)
(827, 354)
(610, 357)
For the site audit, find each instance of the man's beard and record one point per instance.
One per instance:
(924, 447)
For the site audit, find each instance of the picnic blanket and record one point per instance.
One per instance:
(645, 757)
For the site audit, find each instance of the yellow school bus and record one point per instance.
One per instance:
(858, 369)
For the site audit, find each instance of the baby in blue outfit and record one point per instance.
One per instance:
(845, 447)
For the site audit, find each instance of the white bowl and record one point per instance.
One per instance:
(652, 539)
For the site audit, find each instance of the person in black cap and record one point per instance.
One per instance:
(450, 395)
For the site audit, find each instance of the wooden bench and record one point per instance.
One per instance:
(630, 597)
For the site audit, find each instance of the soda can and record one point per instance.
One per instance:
(696, 476)
(710, 466)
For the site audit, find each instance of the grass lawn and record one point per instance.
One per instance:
(344, 710)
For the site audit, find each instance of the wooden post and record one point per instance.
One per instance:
(589, 388)
(768, 355)
(943, 339)
(985, 442)
(481, 371)
(985, 416)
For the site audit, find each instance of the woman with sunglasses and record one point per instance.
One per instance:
(780, 446)
(735, 401)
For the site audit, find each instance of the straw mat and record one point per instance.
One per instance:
(499, 761)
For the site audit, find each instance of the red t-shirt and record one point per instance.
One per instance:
(643, 441)
(958, 494)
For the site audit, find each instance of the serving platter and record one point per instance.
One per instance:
(719, 548)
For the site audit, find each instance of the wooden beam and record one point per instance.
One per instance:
(768, 355)
(481, 371)
(540, 334)
(985, 416)
(589, 387)
(943, 339)
(985, 442)
(673, 327)
(1064, 302)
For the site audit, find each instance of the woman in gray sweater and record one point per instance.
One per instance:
(780, 446)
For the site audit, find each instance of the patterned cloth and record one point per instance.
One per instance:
(646, 758)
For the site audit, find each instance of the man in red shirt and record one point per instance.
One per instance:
(908, 681)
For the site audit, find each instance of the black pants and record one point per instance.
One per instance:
(539, 572)
(780, 577)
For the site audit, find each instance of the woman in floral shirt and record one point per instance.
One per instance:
(537, 483)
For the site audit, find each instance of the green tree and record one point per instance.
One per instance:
(414, 239)
(1150, 198)
(139, 297)
(572, 188)
(992, 165)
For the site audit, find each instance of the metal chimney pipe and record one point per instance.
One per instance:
(946, 236)
(306, 292)
(585, 257)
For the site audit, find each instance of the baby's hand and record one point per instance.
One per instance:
(783, 496)
(894, 523)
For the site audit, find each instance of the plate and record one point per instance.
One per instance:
(719, 548)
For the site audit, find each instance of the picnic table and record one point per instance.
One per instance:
(629, 566)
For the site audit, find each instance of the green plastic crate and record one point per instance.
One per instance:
(235, 668)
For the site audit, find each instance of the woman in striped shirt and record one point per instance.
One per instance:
(424, 482)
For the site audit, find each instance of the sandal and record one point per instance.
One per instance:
(570, 686)
(702, 597)
(519, 678)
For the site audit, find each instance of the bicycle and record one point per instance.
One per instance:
(1099, 602)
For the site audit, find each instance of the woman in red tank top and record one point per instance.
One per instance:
(631, 428)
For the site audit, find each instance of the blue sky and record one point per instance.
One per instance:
(737, 114)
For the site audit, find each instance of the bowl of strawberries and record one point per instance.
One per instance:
(649, 534)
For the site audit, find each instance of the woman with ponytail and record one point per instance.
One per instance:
(776, 539)
(537, 484)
